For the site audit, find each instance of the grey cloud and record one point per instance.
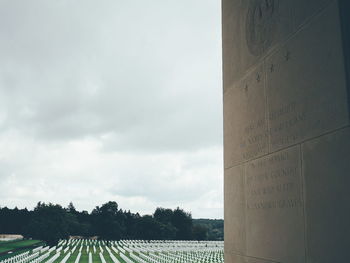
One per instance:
(71, 69)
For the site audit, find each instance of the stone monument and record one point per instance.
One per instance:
(286, 131)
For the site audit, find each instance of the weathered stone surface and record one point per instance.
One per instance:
(274, 207)
(250, 29)
(245, 125)
(235, 213)
(234, 258)
(289, 136)
(326, 168)
(303, 10)
(306, 85)
(344, 7)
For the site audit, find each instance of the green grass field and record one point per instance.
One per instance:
(17, 247)
(12, 245)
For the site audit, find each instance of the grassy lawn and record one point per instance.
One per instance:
(11, 245)
(73, 257)
(84, 257)
(60, 257)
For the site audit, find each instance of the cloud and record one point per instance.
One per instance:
(125, 91)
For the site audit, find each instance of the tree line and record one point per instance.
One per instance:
(51, 222)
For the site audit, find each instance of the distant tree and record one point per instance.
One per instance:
(130, 224)
(49, 223)
(13, 221)
(108, 221)
(148, 228)
(199, 232)
(167, 232)
(71, 208)
(215, 227)
(163, 215)
(183, 222)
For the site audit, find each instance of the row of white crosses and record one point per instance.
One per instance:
(130, 251)
(16, 258)
(27, 256)
(22, 258)
(36, 255)
(41, 258)
(175, 251)
(78, 258)
(55, 256)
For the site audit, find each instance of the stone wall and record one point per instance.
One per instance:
(286, 130)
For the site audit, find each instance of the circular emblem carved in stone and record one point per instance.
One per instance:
(261, 21)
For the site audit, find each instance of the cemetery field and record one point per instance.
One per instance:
(124, 251)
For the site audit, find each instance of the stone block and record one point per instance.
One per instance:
(326, 169)
(245, 124)
(303, 10)
(306, 87)
(234, 213)
(274, 207)
(234, 258)
(250, 29)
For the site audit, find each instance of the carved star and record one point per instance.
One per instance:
(287, 56)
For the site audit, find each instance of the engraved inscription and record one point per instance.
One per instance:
(274, 205)
(245, 122)
(254, 139)
(306, 90)
(287, 119)
(273, 182)
(260, 25)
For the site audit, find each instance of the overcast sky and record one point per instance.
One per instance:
(111, 100)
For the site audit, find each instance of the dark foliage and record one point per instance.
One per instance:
(51, 222)
(213, 228)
